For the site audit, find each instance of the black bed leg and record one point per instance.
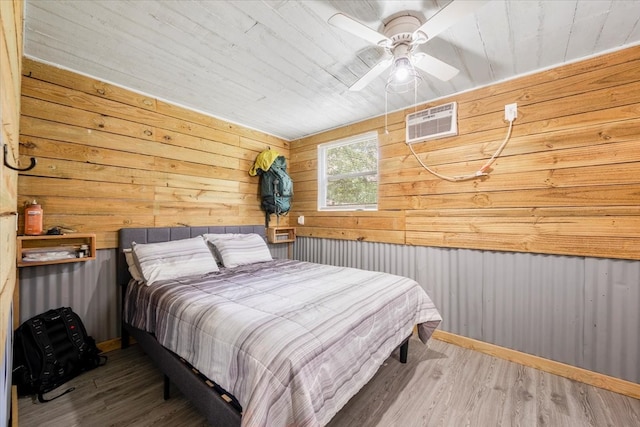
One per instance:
(124, 338)
(167, 384)
(124, 333)
(404, 351)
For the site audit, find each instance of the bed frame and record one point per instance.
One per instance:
(218, 406)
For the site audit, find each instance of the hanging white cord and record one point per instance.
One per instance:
(386, 109)
(480, 172)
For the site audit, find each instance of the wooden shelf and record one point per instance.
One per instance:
(69, 242)
(281, 234)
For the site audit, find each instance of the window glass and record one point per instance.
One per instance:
(348, 173)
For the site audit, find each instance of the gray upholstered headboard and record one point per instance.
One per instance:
(165, 234)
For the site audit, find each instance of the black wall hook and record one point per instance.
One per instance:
(6, 163)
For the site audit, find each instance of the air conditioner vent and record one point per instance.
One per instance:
(432, 123)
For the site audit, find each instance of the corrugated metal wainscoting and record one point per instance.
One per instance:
(580, 311)
(89, 288)
(278, 250)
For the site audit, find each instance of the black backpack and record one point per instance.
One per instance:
(50, 349)
(276, 188)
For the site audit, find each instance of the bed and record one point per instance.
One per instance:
(264, 342)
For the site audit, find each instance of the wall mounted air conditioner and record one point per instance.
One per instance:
(432, 123)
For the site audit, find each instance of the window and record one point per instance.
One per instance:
(348, 173)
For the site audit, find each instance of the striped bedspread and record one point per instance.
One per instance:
(292, 341)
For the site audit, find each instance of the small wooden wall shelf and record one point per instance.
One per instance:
(68, 242)
(281, 234)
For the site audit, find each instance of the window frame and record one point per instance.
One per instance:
(323, 179)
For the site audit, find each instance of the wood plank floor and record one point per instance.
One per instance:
(441, 385)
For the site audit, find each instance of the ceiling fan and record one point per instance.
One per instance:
(400, 38)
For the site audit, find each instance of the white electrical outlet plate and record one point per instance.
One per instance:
(301, 220)
(511, 111)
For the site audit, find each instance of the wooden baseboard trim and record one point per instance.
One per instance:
(596, 379)
(110, 345)
(14, 406)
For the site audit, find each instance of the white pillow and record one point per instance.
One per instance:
(174, 259)
(240, 249)
(133, 268)
(227, 236)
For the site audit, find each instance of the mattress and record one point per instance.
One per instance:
(293, 341)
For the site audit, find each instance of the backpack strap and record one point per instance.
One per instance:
(49, 362)
(88, 353)
(74, 329)
(41, 398)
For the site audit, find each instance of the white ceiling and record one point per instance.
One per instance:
(279, 67)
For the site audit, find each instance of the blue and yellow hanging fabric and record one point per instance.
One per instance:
(263, 161)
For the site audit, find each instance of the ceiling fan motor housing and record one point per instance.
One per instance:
(400, 30)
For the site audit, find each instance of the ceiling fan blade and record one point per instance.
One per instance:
(448, 16)
(354, 27)
(434, 66)
(371, 74)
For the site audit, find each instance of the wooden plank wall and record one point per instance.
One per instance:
(10, 63)
(568, 181)
(110, 158)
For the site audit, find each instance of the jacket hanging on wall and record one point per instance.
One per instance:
(276, 186)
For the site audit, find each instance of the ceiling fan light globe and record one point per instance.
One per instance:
(403, 77)
(401, 74)
(403, 87)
